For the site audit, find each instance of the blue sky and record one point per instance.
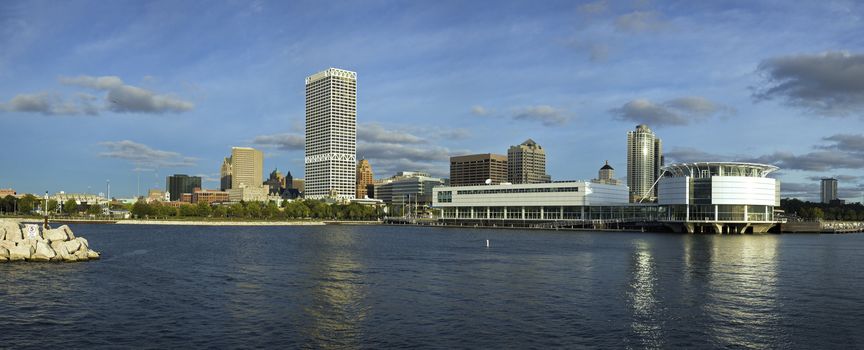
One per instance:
(122, 90)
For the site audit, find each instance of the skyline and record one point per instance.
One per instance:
(146, 87)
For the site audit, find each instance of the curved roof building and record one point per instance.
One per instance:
(719, 197)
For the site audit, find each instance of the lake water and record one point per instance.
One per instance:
(410, 287)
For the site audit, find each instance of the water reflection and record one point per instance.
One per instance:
(337, 309)
(734, 280)
(642, 297)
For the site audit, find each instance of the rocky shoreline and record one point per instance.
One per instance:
(34, 243)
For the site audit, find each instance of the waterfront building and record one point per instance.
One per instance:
(408, 192)
(80, 198)
(526, 163)
(210, 196)
(526, 204)
(475, 169)
(828, 190)
(606, 175)
(331, 134)
(718, 197)
(225, 174)
(178, 184)
(644, 162)
(365, 177)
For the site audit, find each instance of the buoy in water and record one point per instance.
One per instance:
(487, 243)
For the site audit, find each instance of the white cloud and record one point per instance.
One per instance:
(143, 156)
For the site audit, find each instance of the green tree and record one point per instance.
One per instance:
(70, 207)
(187, 210)
(203, 209)
(254, 210)
(52, 205)
(94, 209)
(220, 211)
(817, 213)
(237, 210)
(27, 203)
(141, 209)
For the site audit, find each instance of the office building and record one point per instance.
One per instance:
(718, 197)
(644, 162)
(331, 134)
(828, 190)
(178, 184)
(210, 196)
(606, 175)
(245, 169)
(526, 163)
(365, 177)
(475, 169)
(225, 174)
(409, 192)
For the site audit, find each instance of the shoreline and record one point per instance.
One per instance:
(219, 223)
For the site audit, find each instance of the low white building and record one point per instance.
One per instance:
(721, 197)
(571, 200)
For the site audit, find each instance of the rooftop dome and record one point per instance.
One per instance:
(607, 167)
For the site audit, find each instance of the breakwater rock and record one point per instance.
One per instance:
(33, 243)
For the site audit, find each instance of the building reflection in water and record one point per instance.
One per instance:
(734, 279)
(645, 327)
(337, 309)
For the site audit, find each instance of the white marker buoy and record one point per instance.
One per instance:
(487, 243)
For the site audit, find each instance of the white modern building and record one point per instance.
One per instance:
(718, 197)
(531, 203)
(331, 134)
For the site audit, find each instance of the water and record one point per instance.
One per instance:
(409, 287)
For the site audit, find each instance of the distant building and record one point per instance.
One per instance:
(249, 194)
(247, 167)
(644, 162)
(178, 184)
(331, 134)
(365, 177)
(406, 190)
(606, 175)
(80, 198)
(156, 195)
(276, 182)
(475, 169)
(210, 196)
(186, 197)
(828, 190)
(299, 184)
(225, 174)
(526, 163)
(7, 192)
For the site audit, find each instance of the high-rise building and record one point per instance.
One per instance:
(247, 167)
(331, 134)
(475, 169)
(178, 184)
(225, 174)
(365, 177)
(526, 163)
(644, 161)
(606, 175)
(829, 190)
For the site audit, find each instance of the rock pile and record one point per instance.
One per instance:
(20, 243)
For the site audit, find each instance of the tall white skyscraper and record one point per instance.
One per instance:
(644, 160)
(331, 134)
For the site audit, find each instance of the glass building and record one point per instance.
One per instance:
(644, 159)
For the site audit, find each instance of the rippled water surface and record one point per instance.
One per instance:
(388, 287)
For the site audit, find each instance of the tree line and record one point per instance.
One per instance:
(298, 209)
(822, 211)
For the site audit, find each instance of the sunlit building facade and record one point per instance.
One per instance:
(644, 160)
(331, 134)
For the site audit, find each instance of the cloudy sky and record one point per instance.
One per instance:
(129, 90)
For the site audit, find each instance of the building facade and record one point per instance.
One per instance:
(276, 182)
(331, 134)
(644, 162)
(247, 167)
(210, 196)
(828, 190)
(408, 192)
(365, 177)
(511, 204)
(475, 169)
(718, 197)
(526, 163)
(606, 175)
(178, 184)
(225, 174)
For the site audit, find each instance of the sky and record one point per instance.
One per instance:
(133, 91)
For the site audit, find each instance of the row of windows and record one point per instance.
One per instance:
(517, 190)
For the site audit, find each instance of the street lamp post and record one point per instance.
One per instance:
(45, 210)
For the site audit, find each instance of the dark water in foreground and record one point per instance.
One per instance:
(387, 287)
